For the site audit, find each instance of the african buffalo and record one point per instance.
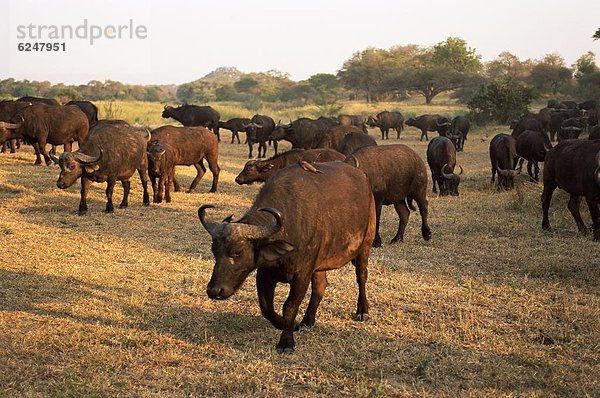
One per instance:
(526, 122)
(262, 170)
(7, 111)
(353, 141)
(425, 123)
(329, 222)
(353, 120)
(533, 146)
(570, 129)
(588, 105)
(235, 125)
(182, 146)
(459, 129)
(335, 135)
(503, 156)
(259, 130)
(194, 115)
(38, 100)
(387, 120)
(397, 176)
(574, 166)
(109, 153)
(441, 157)
(301, 133)
(90, 110)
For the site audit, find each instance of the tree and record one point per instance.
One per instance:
(550, 74)
(500, 101)
(454, 55)
(508, 64)
(245, 84)
(585, 65)
(596, 35)
(366, 71)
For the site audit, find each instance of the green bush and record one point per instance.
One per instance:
(500, 101)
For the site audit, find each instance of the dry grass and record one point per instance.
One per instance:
(114, 305)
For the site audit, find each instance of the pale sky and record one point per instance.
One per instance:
(187, 39)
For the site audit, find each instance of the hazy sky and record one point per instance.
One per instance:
(187, 39)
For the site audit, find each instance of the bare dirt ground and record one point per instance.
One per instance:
(115, 305)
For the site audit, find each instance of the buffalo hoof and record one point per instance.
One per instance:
(426, 234)
(361, 317)
(286, 350)
(177, 189)
(377, 241)
(397, 239)
(158, 200)
(123, 206)
(168, 200)
(307, 323)
(546, 227)
(213, 190)
(109, 210)
(82, 212)
(190, 191)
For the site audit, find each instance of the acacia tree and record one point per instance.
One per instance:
(550, 74)
(366, 72)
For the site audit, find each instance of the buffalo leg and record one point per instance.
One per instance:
(249, 148)
(425, 230)
(85, 186)
(318, 285)
(275, 145)
(233, 134)
(378, 206)
(265, 287)
(549, 187)
(168, 184)
(403, 215)
(162, 181)
(290, 309)
(126, 187)
(143, 172)
(434, 182)
(38, 158)
(214, 169)
(201, 170)
(176, 185)
(398, 130)
(536, 169)
(110, 187)
(530, 170)
(595, 213)
(154, 189)
(360, 263)
(574, 206)
(42, 150)
(4, 147)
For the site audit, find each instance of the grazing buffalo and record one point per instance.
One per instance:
(262, 170)
(387, 120)
(334, 136)
(397, 176)
(7, 111)
(441, 157)
(532, 146)
(90, 110)
(41, 124)
(38, 100)
(425, 123)
(109, 153)
(459, 129)
(570, 129)
(353, 120)
(353, 141)
(574, 166)
(235, 125)
(259, 130)
(329, 222)
(503, 156)
(301, 133)
(181, 146)
(194, 115)
(594, 133)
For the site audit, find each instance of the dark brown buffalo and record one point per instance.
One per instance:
(334, 136)
(574, 166)
(110, 153)
(387, 120)
(425, 123)
(235, 125)
(353, 141)
(503, 156)
(353, 120)
(329, 222)
(443, 125)
(533, 146)
(38, 100)
(570, 129)
(90, 110)
(183, 146)
(194, 115)
(302, 133)
(41, 124)
(262, 170)
(558, 116)
(526, 122)
(459, 129)
(594, 133)
(7, 111)
(441, 157)
(259, 131)
(397, 176)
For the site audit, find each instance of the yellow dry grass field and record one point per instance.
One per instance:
(115, 305)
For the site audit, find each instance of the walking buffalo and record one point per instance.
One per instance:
(109, 153)
(194, 115)
(300, 246)
(425, 123)
(574, 166)
(441, 157)
(397, 176)
(503, 156)
(235, 125)
(387, 120)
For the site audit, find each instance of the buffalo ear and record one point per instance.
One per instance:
(273, 250)
(91, 168)
(267, 167)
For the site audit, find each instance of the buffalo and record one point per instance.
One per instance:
(38, 100)
(302, 133)
(532, 146)
(329, 222)
(574, 166)
(588, 105)
(259, 130)
(109, 153)
(353, 141)
(443, 125)
(194, 115)
(570, 129)
(558, 116)
(397, 176)
(459, 129)
(235, 125)
(441, 157)
(181, 146)
(334, 136)
(387, 120)
(594, 133)
(90, 110)
(262, 170)
(353, 120)
(503, 156)
(7, 111)
(526, 122)
(426, 123)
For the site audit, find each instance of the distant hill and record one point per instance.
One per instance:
(223, 75)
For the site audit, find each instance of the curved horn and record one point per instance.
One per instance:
(572, 128)
(355, 160)
(209, 226)
(10, 126)
(147, 134)
(461, 170)
(165, 108)
(506, 173)
(278, 219)
(442, 124)
(446, 175)
(83, 158)
(53, 157)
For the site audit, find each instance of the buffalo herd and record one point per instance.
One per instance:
(320, 203)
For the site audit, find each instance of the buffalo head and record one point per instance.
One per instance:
(73, 165)
(451, 181)
(372, 121)
(254, 171)
(167, 111)
(281, 131)
(506, 177)
(7, 130)
(251, 129)
(239, 248)
(155, 152)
